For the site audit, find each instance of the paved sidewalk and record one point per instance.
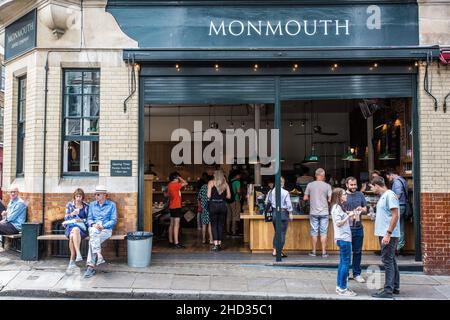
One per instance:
(209, 276)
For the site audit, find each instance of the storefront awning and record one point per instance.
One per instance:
(309, 54)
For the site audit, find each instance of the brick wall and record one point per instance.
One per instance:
(434, 129)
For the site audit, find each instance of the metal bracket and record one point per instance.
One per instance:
(131, 81)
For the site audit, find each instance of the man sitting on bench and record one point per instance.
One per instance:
(14, 215)
(101, 220)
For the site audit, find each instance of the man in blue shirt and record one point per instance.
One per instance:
(387, 228)
(15, 215)
(400, 187)
(101, 220)
(356, 202)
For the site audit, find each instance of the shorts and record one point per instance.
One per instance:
(176, 213)
(318, 223)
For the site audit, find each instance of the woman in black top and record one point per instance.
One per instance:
(218, 191)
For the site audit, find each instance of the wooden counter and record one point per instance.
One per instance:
(148, 202)
(259, 234)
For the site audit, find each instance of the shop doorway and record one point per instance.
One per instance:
(356, 94)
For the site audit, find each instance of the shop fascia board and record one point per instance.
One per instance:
(282, 54)
(252, 2)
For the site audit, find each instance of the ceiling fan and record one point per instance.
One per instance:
(317, 130)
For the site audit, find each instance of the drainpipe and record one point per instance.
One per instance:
(44, 147)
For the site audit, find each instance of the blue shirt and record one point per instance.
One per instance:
(388, 201)
(285, 199)
(355, 200)
(107, 214)
(16, 213)
(399, 186)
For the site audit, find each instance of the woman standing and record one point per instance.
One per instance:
(218, 192)
(205, 220)
(343, 238)
(76, 215)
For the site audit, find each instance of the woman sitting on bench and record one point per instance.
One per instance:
(75, 224)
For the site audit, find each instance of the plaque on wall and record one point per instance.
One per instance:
(121, 168)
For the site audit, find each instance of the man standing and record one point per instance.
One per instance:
(387, 228)
(319, 194)
(234, 216)
(102, 219)
(14, 215)
(400, 187)
(356, 202)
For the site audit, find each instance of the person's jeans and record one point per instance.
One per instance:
(96, 238)
(357, 244)
(284, 226)
(401, 240)
(344, 263)
(392, 275)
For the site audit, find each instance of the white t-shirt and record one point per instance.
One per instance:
(343, 232)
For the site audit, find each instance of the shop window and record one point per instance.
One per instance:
(21, 108)
(81, 107)
(2, 83)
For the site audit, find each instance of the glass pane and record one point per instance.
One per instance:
(73, 78)
(73, 127)
(22, 89)
(21, 111)
(92, 78)
(93, 164)
(90, 127)
(91, 106)
(73, 106)
(88, 89)
(73, 155)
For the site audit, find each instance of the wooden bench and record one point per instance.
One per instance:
(10, 236)
(62, 237)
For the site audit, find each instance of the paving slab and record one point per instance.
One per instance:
(153, 281)
(417, 279)
(267, 285)
(7, 276)
(298, 286)
(444, 290)
(238, 284)
(442, 279)
(190, 282)
(423, 292)
(35, 280)
(114, 280)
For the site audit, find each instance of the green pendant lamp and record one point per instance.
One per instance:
(312, 158)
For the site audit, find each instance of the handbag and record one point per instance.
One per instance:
(75, 223)
(408, 209)
(268, 210)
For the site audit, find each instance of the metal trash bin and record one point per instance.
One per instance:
(139, 247)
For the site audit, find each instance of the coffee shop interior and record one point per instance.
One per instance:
(345, 137)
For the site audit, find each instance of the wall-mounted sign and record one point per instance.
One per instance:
(270, 26)
(20, 36)
(121, 168)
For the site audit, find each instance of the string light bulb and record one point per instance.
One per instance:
(216, 66)
(416, 64)
(375, 65)
(295, 67)
(243, 124)
(255, 67)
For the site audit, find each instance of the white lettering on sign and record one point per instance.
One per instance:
(374, 20)
(289, 28)
(21, 32)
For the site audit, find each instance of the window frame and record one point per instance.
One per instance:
(82, 136)
(21, 109)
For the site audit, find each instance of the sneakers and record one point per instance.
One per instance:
(382, 295)
(179, 246)
(345, 292)
(325, 255)
(100, 260)
(72, 265)
(79, 258)
(215, 248)
(312, 254)
(359, 279)
(89, 272)
(396, 291)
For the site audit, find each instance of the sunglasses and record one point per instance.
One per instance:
(98, 194)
